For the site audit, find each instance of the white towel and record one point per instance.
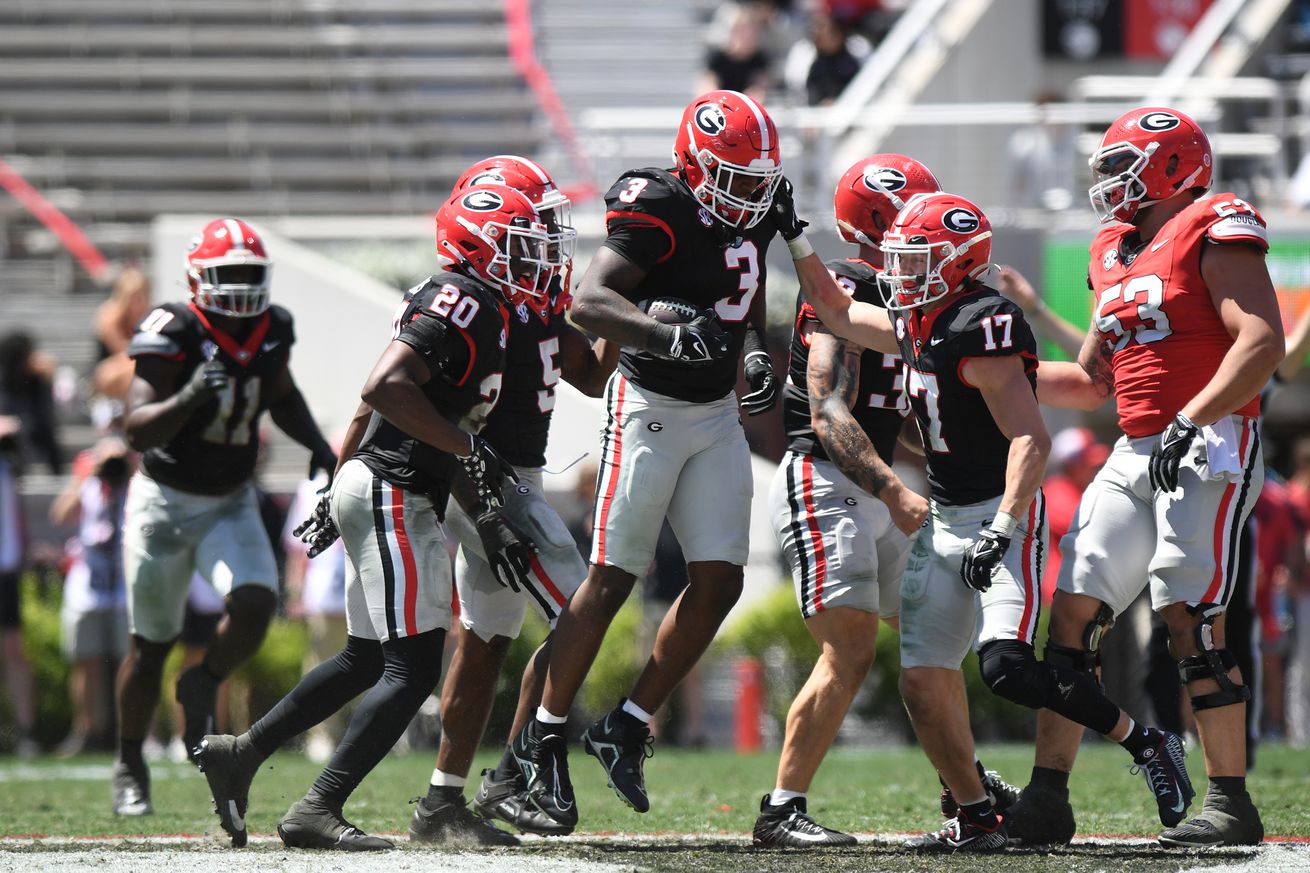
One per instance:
(1223, 452)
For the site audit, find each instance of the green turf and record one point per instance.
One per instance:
(882, 790)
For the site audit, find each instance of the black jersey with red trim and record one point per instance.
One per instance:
(653, 220)
(215, 449)
(967, 453)
(518, 427)
(459, 327)
(880, 399)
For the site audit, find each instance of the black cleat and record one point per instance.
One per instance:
(961, 835)
(1041, 817)
(310, 826)
(789, 825)
(622, 744)
(1224, 820)
(544, 763)
(229, 774)
(1166, 775)
(197, 693)
(454, 824)
(508, 801)
(1002, 794)
(131, 788)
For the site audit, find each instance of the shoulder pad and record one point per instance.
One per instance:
(649, 191)
(857, 278)
(1228, 218)
(281, 324)
(163, 332)
(989, 324)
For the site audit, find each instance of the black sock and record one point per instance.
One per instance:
(412, 668)
(1140, 739)
(1228, 786)
(1050, 778)
(320, 693)
(129, 752)
(545, 728)
(980, 813)
(508, 768)
(439, 795)
(628, 718)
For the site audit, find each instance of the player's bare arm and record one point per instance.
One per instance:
(832, 382)
(1084, 385)
(394, 390)
(354, 433)
(290, 413)
(601, 307)
(1004, 386)
(1298, 345)
(586, 366)
(152, 421)
(861, 323)
(1065, 334)
(1243, 295)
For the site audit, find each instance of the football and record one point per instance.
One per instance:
(670, 310)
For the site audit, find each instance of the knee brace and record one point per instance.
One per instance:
(1010, 670)
(1211, 663)
(1086, 660)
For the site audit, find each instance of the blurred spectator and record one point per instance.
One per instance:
(13, 557)
(116, 321)
(26, 377)
(873, 18)
(316, 590)
(683, 722)
(835, 61)
(94, 612)
(1040, 162)
(1280, 557)
(741, 62)
(1075, 457)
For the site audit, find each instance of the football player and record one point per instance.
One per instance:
(1186, 332)
(970, 377)
(673, 444)
(206, 371)
(430, 392)
(543, 348)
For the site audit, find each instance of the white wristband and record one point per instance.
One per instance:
(1004, 524)
(800, 247)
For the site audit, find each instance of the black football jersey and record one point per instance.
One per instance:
(880, 401)
(653, 220)
(459, 327)
(520, 423)
(966, 451)
(214, 451)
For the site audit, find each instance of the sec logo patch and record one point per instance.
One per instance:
(1109, 258)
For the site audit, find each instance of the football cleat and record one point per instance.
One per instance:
(1041, 817)
(1224, 820)
(1166, 775)
(1002, 794)
(961, 835)
(622, 744)
(544, 763)
(229, 775)
(308, 825)
(789, 825)
(197, 693)
(507, 800)
(131, 788)
(454, 823)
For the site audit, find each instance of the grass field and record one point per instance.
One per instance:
(702, 807)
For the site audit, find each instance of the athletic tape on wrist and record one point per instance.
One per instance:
(800, 247)
(1004, 524)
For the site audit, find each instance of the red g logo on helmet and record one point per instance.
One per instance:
(1147, 155)
(228, 270)
(938, 244)
(873, 190)
(727, 152)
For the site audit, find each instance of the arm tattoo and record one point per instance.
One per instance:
(1099, 369)
(833, 382)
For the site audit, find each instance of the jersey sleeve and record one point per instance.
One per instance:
(1231, 219)
(638, 220)
(444, 348)
(283, 326)
(161, 334)
(992, 328)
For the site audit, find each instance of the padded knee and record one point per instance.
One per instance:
(1078, 660)
(1010, 670)
(251, 605)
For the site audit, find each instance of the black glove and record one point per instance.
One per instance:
(319, 530)
(323, 458)
(206, 380)
(1169, 452)
(485, 469)
(789, 224)
(508, 550)
(982, 558)
(700, 341)
(763, 383)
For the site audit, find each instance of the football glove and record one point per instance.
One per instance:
(982, 558)
(699, 341)
(1168, 453)
(319, 530)
(485, 469)
(763, 383)
(789, 224)
(206, 380)
(508, 550)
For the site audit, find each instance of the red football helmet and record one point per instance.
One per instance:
(873, 190)
(228, 269)
(494, 233)
(938, 243)
(727, 150)
(1147, 155)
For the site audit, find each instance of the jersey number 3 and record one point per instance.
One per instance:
(746, 258)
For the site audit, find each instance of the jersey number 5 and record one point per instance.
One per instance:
(745, 258)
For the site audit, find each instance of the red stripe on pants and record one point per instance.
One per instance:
(614, 471)
(816, 537)
(407, 557)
